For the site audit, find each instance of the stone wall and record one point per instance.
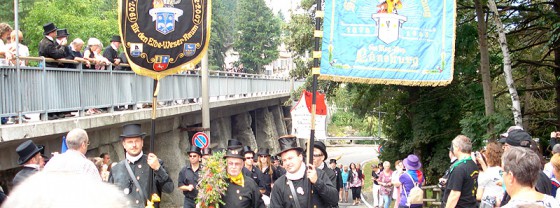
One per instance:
(172, 141)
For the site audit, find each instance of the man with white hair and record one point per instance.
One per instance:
(74, 159)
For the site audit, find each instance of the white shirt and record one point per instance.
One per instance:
(3, 61)
(74, 162)
(23, 51)
(488, 179)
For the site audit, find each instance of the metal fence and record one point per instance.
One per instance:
(44, 90)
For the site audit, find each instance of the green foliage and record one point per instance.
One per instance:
(83, 19)
(259, 34)
(222, 32)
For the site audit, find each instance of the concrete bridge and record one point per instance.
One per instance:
(253, 109)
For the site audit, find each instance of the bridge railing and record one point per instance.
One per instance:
(44, 89)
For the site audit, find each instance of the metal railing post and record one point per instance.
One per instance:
(81, 112)
(113, 90)
(44, 116)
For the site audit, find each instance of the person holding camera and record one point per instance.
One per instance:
(489, 180)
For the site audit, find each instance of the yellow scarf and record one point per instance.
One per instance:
(237, 179)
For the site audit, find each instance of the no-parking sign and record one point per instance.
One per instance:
(201, 140)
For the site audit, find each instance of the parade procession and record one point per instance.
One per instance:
(279, 103)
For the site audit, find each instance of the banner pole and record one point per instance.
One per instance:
(315, 71)
(152, 138)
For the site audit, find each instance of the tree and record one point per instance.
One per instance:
(484, 62)
(85, 19)
(259, 34)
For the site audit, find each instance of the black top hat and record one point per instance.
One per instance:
(321, 146)
(235, 153)
(195, 149)
(48, 28)
(273, 158)
(247, 149)
(234, 144)
(116, 38)
(62, 33)
(206, 151)
(263, 151)
(288, 142)
(132, 130)
(26, 151)
(333, 161)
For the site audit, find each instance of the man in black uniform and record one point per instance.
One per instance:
(29, 158)
(49, 48)
(319, 157)
(135, 169)
(338, 173)
(242, 191)
(111, 52)
(297, 179)
(250, 170)
(188, 177)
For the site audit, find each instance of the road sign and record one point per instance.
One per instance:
(201, 140)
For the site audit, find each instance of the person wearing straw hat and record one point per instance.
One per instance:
(49, 48)
(411, 176)
(188, 177)
(29, 158)
(134, 169)
(292, 189)
(242, 191)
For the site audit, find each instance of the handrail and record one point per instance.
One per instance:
(47, 90)
(66, 61)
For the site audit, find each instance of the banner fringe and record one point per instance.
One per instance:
(385, 81)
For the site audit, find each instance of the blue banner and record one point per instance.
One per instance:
(408, 42)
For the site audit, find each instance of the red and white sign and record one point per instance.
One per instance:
(201, 140)
(301, 116)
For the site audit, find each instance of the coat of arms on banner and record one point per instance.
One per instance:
(161, 62)
(164, 37)
(388, 20)
(165, 15)
(190, 49)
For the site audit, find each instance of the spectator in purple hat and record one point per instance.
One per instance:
(409, 178)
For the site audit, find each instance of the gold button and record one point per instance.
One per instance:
(137, 190)
(139, 166)
(137, 201)
(240, 198)
(290, 196)
(238, 191)
(137, 177)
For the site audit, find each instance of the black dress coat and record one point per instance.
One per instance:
(256, 175)
(324, 192)
(23, 174)
(330, 173)
(120, 177)
(50, 49)
(247, 196)
(110, 54)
